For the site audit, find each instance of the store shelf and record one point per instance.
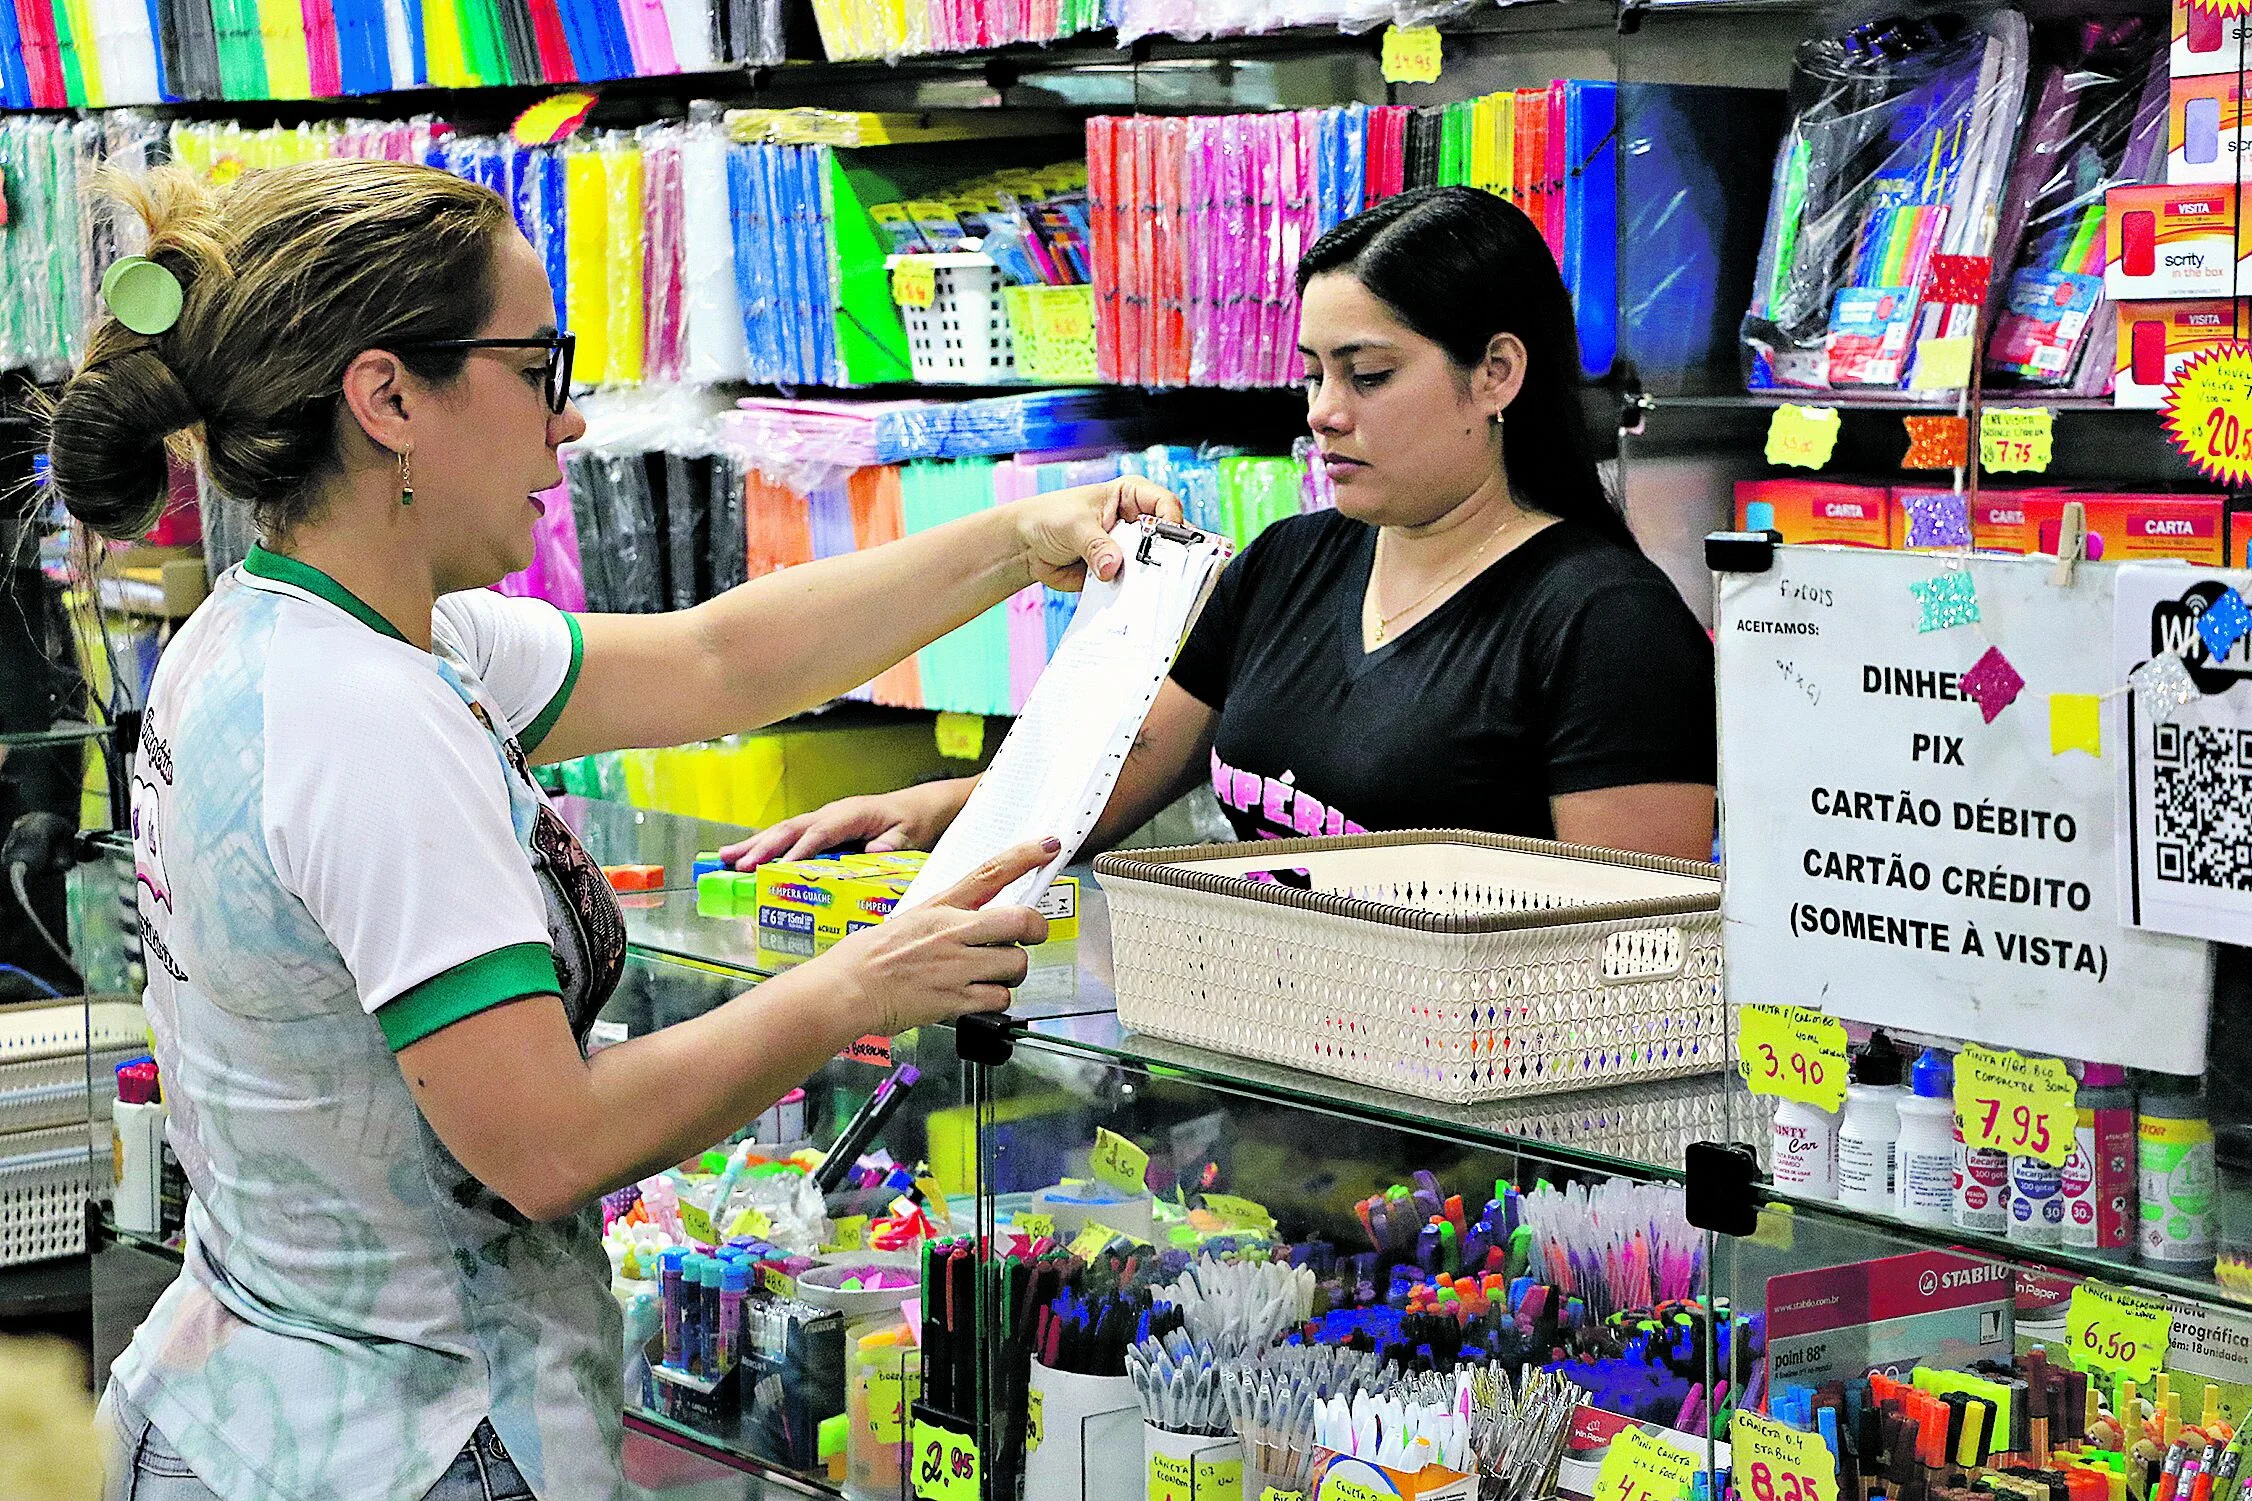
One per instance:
(69, 733)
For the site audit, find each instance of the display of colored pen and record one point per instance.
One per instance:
(864, 1125)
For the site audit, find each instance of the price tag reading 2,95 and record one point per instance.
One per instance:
(2014, 1104)
(1793, 1053)
(947, 1465)
(1778, 1463)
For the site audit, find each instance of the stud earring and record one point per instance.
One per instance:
(406, 478)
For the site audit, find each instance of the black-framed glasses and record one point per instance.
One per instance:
(559, 347)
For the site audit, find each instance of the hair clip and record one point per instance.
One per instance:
(141, 294)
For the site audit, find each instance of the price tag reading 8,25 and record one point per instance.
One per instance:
(2014, 1104)
(947, 1465)
(1793, 1053)
(2110, 1329)
(1640, 1468)
(1777, 1463)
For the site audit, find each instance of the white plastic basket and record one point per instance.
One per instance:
(1452, 965)
(46, 1180)
(53, 1135)
(963, 337)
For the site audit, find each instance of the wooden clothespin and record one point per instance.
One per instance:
(2072, 542)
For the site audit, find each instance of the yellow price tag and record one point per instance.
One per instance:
(1779, 1461)
(2209, 413)
(2111, 1329)
(1174, 1477)
(697, 1224)
(914, 283)
(1412, 54)
(1941, 364)
(1793, 1053)
(1064, 314)
(887, 1406)
(1120, 1164)
(2015, 438)
(751, 1222)
(1231, 1210)
(934, 1202)
(1337, 1485)
(2014, 1104)
(1035, 1420)
(849, 1234)
(1034, 1225)
(961, 737)
(548, 122)
(947, 1465)
(778, 1282)
(1271, 1494)
(1640, 1468)
(1802, 436)
(1092, 1237)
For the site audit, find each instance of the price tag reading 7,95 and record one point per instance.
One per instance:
(1640, 1468)
(2109, 1329)
(2014, 1104)
(1777, 1463)
(1792, 1052)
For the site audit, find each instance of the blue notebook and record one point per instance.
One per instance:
(1591, 216)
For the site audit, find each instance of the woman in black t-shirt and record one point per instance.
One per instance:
(1471, 639)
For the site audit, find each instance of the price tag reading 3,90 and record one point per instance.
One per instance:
(2014, 1104)
(1792, 1052)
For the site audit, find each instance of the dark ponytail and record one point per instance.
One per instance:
(1459, 265)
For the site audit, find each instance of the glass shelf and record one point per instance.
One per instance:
(68, 732)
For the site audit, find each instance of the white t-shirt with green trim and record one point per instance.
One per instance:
(340, 850)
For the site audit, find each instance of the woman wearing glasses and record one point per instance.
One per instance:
(374, 952)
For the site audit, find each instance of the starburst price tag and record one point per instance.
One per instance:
(2209, 413)
(2014, 1104)
(1793, 1053)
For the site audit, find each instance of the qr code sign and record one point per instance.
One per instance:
(2202, 806)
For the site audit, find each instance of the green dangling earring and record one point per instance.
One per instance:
(406, 478)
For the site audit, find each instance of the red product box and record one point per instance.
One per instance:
(1809, 510)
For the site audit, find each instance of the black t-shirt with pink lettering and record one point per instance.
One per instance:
(1569, 665)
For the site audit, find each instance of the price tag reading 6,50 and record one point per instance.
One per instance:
(1792, 1052)
(2011, 1103)
(947, 1465)
(2109, 1329)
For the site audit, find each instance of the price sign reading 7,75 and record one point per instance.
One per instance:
(2014, 1104)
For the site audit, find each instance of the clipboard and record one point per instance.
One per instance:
(1054, 774)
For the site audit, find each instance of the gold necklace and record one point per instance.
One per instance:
(1384, 621)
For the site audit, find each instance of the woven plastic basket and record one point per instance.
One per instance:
(53, 1135)
(962, 338)
(1054, 331)
(1452, 965)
